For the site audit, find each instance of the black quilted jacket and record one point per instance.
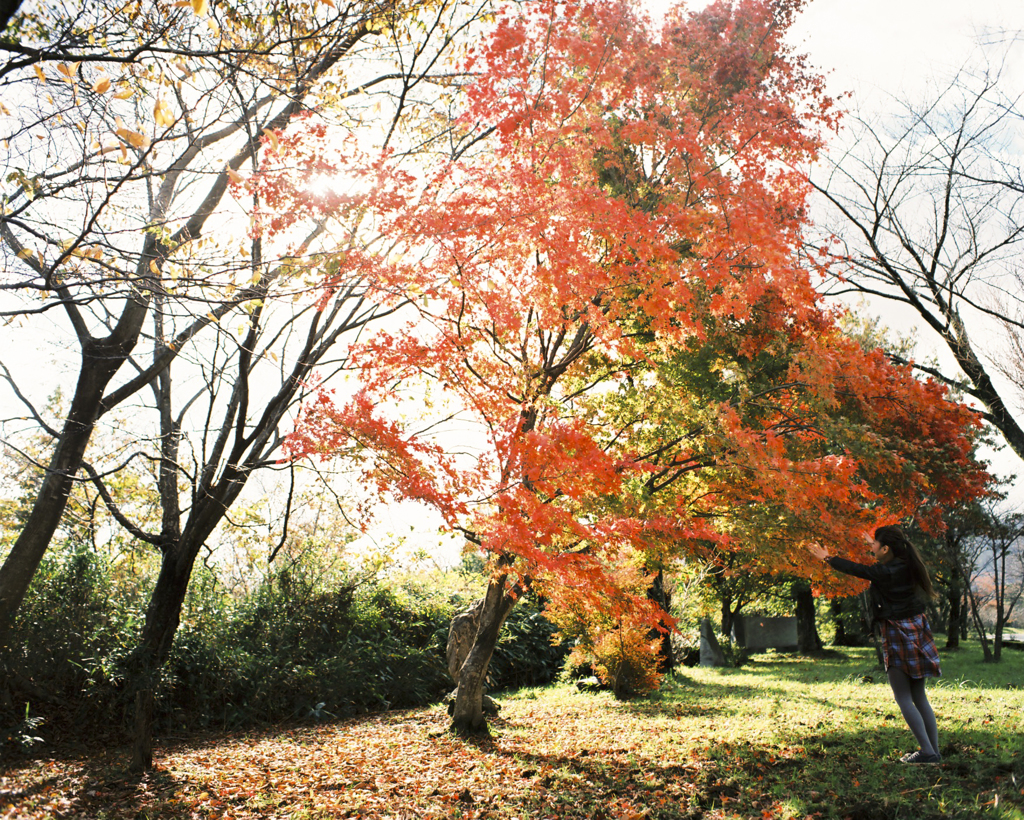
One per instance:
(893, 593)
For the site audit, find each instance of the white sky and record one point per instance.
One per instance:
(894, 46)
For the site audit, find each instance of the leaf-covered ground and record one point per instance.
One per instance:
(779, 738)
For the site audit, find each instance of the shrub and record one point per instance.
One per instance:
(305, 643)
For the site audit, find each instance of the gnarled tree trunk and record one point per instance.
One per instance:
(468, 717)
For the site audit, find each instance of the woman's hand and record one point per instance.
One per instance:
(818, 551)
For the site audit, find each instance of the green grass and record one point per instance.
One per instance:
(823, 737)
(782, 738)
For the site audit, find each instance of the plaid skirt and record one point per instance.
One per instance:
(907, 644)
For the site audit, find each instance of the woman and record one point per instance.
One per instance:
(898, 582)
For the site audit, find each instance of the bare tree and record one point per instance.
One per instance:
(930, 210)
(137, 127)
(114, 178)
(996, 580)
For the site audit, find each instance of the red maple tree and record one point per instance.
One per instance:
(603, 285)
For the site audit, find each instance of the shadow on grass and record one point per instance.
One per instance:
(836, 775)
(808, 766)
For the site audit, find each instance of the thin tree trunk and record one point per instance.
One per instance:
(100, 361)
(980, 628)
(955, 599)
(162, 618)
(661, 596)
(997, 638)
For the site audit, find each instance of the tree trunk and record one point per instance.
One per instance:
(100, 361)
(468, 717)
(997, 637)
(662, 597)
(807, 637)
(728, 617)
(162, 618)
(986, 650)
(142, 750)
(865, 606)
(841, 638)
(955, 599)
(461, 637)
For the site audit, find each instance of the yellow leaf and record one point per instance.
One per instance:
(153, 267)
(212, 318)
(81, 126)
(133, 138)
(101, 85)
(234, 176)
(124, 94)
(162, 114)
(39, 73)
(68, 70)
(201, 7)
(272, 137)
(25, 253)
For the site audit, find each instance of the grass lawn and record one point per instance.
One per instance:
(783, 737)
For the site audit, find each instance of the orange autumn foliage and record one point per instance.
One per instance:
(616, 194)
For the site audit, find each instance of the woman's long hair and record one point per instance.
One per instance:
(895, 539)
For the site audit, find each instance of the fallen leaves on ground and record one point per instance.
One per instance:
(777, 740)
(547, 758)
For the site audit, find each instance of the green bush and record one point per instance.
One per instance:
(71, 639)
(306, 643)
(302, 646)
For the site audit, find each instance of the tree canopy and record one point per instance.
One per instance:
(608, 292)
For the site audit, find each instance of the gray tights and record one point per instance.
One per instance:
(917, 711)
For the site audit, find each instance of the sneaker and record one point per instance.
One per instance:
(921, 757)
(906, 758)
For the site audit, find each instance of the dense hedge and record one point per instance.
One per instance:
(305, 644)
